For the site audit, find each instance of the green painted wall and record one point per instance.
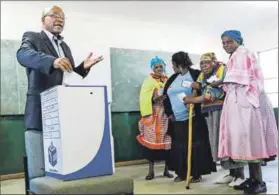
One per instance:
(276, 115)
(124, 129)
(11, 145)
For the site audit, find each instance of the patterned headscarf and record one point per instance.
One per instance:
(157, 60)
(233, 34)
(210, 56)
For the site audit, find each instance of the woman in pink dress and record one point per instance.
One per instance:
(248, 130)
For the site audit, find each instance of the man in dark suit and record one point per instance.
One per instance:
(46, 56)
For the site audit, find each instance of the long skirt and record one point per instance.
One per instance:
(153, 135)
(213, 124)
(247, 133)
(202, 162)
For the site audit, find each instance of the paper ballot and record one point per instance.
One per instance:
(181, 96)
(71, 78)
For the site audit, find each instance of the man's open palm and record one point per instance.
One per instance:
(89, 61)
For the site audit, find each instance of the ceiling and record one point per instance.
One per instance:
(212, 16)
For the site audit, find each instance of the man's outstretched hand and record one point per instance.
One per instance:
(89, 61)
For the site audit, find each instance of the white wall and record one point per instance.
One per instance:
(85, 33)
(262, 39)
(97, 33)
(269, 63)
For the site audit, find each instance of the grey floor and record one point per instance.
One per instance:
(161, 185)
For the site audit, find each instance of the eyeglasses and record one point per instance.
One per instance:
(56, 16)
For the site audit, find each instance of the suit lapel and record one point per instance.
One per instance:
(67, 52)
(63, 45)
(49, 44)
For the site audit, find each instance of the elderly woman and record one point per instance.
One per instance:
(209, 81)
(153, 125)
(169, 112)
(179, 87)
(248, 131)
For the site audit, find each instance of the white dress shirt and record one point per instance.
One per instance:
(58, 47)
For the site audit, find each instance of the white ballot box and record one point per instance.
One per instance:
(76, 131)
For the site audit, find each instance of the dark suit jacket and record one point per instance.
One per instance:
(37, 55)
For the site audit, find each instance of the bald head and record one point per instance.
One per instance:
(53, 20)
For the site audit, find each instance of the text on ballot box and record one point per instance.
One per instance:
(76, 131)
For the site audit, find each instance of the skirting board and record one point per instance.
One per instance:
(118, 164)
(11, 176)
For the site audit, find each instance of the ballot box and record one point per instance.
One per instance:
(77, 132)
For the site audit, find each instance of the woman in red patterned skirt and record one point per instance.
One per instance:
(153, 125)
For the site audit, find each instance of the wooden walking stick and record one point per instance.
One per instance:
(189, 158)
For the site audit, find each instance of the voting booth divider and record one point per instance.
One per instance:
(77, 135)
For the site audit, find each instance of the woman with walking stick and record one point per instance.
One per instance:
(179, 86)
